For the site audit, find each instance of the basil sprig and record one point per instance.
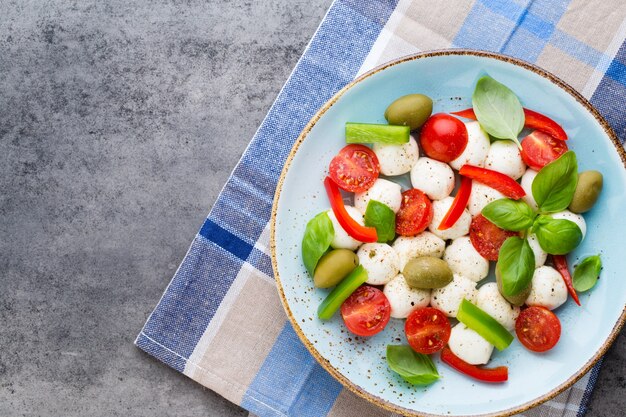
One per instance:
(318, 235)
(516, 264)
(498, 109)
(553, 187)
(509, 214)
(380, 216)
(413, 367)
(557, 236)
(586, 273)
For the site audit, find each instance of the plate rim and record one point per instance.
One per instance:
(347, 383)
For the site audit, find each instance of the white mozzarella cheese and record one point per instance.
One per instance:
(480, 196)
(424, 244)
(477, 147)
(504, 156)
(397, 159)
(527, 185)
(547, 288)
(469, 345)
(380, 261)
(463, 259)
(342, 239)
(434, 178)
(448, 298)
(460, 228)
(404, 299)
(576, 218)
(540, 254)
(493, 303)
(383, 191)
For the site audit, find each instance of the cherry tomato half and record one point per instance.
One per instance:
(366, 312)
(415, 214)
(539, 149)
(487, 238)
(427, 330)
(443, 137)
(538, 329)
(354, 168)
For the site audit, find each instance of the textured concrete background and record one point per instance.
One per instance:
(119, 123)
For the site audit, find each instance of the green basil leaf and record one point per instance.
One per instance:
(413, 367)
(557, 236)
(586, 273)
(380, 216)
(516, 264)
(509, 214)
(553, 187)
(498, 109)
(318, 235)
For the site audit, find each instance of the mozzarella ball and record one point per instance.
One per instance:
(480, 196)
(464, 259)
(469, 345)
(576, 218)
(383, 191)
(547, 288)
(493, 303)
(448, 298)
(477, 147)
(424, 244)
(504, 156)
(404, 299)
(460, 228)
(342, 239)
(540, 254)
(527, 185)
(434, 178)
(380, 261)
(397, 159)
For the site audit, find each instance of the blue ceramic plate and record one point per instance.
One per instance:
(359, 363)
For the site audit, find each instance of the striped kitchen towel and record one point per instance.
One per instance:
(220, 320)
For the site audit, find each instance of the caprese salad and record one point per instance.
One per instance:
(421, 255)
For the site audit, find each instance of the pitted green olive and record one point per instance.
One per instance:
(427, 272)
(517, 299)
(587, 191)
(333, 267)
(411, 110)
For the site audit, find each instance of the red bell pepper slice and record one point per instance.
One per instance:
(533, 120)
(560, 262)
(354, 229)
(499, 374)
(494, 179)
(458, 205)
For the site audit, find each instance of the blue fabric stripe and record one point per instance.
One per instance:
(224, 239)
(593, 377)
(261, 262)
(191, 300)
(609, 95)
(290, 382)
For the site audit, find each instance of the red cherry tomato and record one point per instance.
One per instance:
(366, 312)
(415, 214)
(539, 149)
(427, 330)
(354, 168)
(443, 137)
(538, 329)
(487, 238)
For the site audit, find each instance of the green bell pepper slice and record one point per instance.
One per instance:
(341, 292)
(376, 133)
(485, 325)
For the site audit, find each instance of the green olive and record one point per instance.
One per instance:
(333, 267)
(517, 299)
(411, 110)
(427, 272)
(587, 191)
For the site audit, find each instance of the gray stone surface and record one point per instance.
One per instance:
(119, 123)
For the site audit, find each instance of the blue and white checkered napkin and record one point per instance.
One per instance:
(220, 321)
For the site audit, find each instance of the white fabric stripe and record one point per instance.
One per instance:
(263, 243)
(605, 61)
(218, 319)
(384, 37)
